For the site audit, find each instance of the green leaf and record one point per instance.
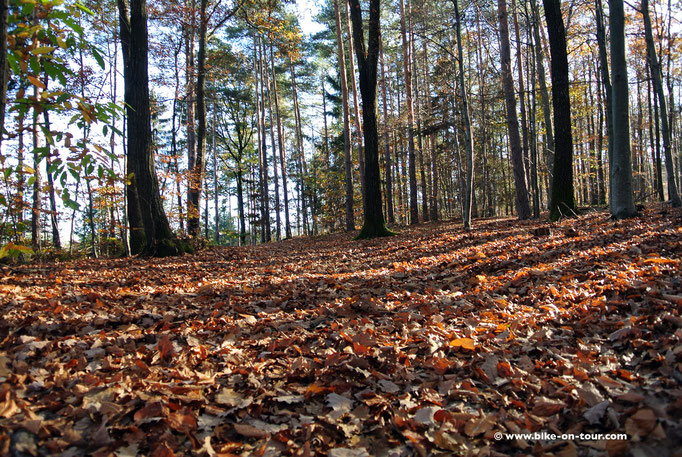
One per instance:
(98, 57)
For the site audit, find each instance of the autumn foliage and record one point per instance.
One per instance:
(426, 343)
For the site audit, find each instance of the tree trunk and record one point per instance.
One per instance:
(387, 146)
(196, 172)
(36, 226)
(608, 89)
(280, 143)
(368, 57)
(412, 173)
(356, 105)
(522, 204)
(434, 150)
(562, 199)
(622, 200)
(275, 173)
(190, 100)
(159, 239)
(50, 182)
(350, 218)
(466, 120)
(544, 93)
(4, 67)
(654, 64)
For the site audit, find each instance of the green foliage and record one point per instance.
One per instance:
(14, 251)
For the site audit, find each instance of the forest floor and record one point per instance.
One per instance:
(434, 342)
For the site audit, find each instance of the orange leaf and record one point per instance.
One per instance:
(464, 343)
(36, 82)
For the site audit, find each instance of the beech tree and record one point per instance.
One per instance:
(622, 200)
(562, 199)
(522, 203)
(368, 57)
(150, 230)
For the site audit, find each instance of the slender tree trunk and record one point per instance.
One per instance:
(656, 76)
(412, 173)
(267, 82)
(20, 167)
(466, 120)
(608, 89)
(622, 200)
(654, 134)
(240, 205)
(50, 181)
(36, 225)
(356, 105)
(196, 173)
(387, 146)
(522, 95)
(4, 67)
(280, 143)
(190, 100)
(544, 93)
(522, 204)
(350, 218)
(432, 143)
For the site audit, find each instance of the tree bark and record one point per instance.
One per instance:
(412, 173)
(350, 218)
(522, 204)
(544, 93)
(4, 67)
(656, 76)
(374, 224)
(387, 146)
(159, 239)
(608, 88)
(562, 199)
(196, 173)
(280, 143)
(622, 200)
(356, 105)
(466, 120)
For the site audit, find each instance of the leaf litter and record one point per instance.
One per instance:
(427, 343)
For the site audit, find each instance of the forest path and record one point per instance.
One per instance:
(429, 342)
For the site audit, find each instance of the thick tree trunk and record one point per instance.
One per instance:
(374, 224)
(656, 77)
(562, 199)
(134, 215)
(522, 204)
(350, 218)
(622, 201)
(159, 239)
